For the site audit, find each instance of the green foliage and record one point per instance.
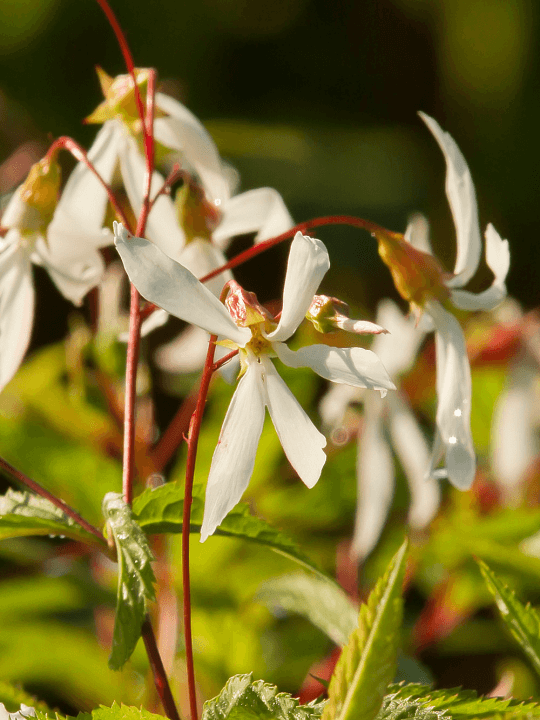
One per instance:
(368, 663)
(242, 699)
(22, 513)
(160, 511)
(115, 712)
(522, 620)
(422, 703)
(135, 578)
(12, 697)
(322, 602)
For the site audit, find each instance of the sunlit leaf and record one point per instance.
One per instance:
(135, 577)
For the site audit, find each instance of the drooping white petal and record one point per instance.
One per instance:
(417, 233)
(16, 309)
(498, 260)
(375, 475)
(334, 404)
(352, 366)
(201, 257)
(454, 397)
(186, 353)
(397, 350)
(182, 131)
(162, 226)
(171, 286)
(84, 198)
(234, 456)
(262, 211)
(514, 443)
(301, 441)
(413, 453)
(360, 327)
(307, 265)
(462, 199)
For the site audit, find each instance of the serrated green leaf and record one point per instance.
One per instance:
(135, 577)
(115, 712)
(322, 602)
(22, 513)
(242, 699)
(522, 620)
(160, 511)
(368, 663)
(421, 702)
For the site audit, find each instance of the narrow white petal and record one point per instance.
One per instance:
(234, 456)
(301, 441)
(360, 327)
(157, 319)
(462, 200)
(454, 401)
(171, 286)
(334, 404)
(262, 211)
(514, 443)
(74, 271)
(375, 475)
(201, 257)
(413, 453)
(84, 199)
(16, 310)
(352, 366)
(498, 260)
(182, 131)
(307, 265)
(417, 233)
(186, 353)
(397, 350)
(162, 226)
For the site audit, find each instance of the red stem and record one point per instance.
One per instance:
(301, 227)
(160, 676)
(60, 504)
(186, 518)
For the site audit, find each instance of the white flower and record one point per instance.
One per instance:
(171, 286)
(453, 440)
(25, 711)
(387, 424)
(67, 247)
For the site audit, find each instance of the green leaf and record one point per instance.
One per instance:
(160, 511)
(322, 602)
(22, 513)
(12, 697)
(135, 577)
(242, 699)
(116, 712)
(421, 702)
(522, 620)
(368, 663)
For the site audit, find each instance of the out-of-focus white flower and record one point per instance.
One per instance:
(25, 712)
(248, 327)
(50, 233)
(420, 280)
(388, 424)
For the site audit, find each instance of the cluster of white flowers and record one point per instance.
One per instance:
(186, 238)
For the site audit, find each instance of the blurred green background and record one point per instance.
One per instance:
(315, 98)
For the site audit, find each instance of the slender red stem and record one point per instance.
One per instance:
(67, 143)
(186, 518)
(160, 676)
(132, 360)
(60, 504)
(224, 359)
(301, 227)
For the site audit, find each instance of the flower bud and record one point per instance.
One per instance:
(244, 307)
(32, 207)
(418, 277)
(328, 314)
(196, 215)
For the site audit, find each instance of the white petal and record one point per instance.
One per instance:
(262, 211)
(16, 310)
(462, 199)
(307, 265)
(201, 257)
(514, 443)
(397, 350)
(334, 404)
(301, 441)
(454, 401)
(234, 456)
(162, 226)
(375, 474)
(74, 272)
(186, 353)
(352, 366)
(182, 131)
(417, 233)
(84, 199)
(157, 319)
(171, 286)
(413, 453)
(498, 260)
